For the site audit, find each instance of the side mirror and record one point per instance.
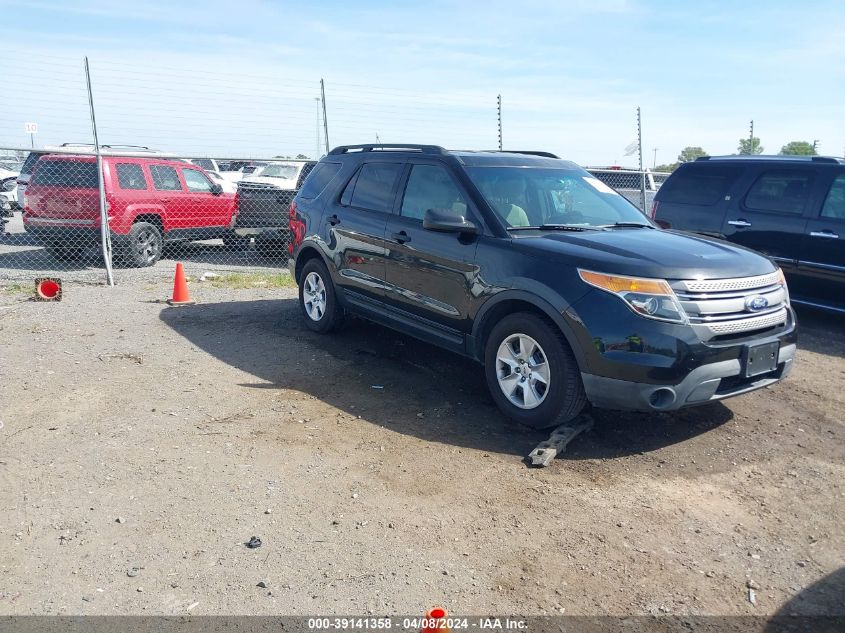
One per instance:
(216, 188)
(448, 221)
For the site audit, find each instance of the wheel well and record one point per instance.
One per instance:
(497, 313)
(305, 256)
(150, 218)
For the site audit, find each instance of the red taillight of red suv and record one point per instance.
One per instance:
(653, 211)
(297, 227)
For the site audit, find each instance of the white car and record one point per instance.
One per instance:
(228, 185)
(8, 190)
(281, 175)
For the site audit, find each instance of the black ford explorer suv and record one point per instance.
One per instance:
(790, 208)
(561, 288)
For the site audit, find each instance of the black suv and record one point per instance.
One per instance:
(561, 288)
(790, 208)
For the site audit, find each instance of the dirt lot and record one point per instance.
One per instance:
(135, 435)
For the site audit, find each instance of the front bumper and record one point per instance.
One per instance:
(704, 384)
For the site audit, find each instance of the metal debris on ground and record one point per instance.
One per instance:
(548, 449)
(253, 542)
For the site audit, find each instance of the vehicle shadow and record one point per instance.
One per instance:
(821, 331)
(818, 608)
(402, 384)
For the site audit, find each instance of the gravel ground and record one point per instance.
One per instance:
(142, 445)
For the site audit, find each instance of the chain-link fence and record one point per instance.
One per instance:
(218, 157)
(138, 208)
(638, 187)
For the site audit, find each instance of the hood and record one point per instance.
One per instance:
(278, 183)
(647, 253)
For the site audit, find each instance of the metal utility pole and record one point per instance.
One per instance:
(32, 140)
(654, 164)
(751, 139)
(325, 120)
(105, 233)
(499, 116)
(640, 152)
(816, 145)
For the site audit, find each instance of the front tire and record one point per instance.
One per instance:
(317, 298)
(531, 372)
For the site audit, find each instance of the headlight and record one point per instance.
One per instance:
(650, 298)
(785, 288)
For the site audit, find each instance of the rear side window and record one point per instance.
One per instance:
(780, 190)
(66, 173)
(703, 186)
(318, 179)
(375, 186)
(834, 204)
(131, 176)
(165, 178)
(205, 163)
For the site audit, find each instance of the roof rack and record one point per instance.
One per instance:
(399, 147)
(529, 152)
(809, 159)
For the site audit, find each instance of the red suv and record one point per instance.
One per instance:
(149, 201)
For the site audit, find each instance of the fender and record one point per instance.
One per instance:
(474, 341)
(307, 247)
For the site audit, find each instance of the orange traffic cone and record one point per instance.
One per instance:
(181, 296)
(435, 621)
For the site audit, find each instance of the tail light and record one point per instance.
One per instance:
(292, 211)
(653, 211)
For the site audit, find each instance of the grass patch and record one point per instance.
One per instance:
(251, 280)
(16, 289)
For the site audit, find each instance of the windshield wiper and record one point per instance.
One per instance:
(627, 225)
(555, 227)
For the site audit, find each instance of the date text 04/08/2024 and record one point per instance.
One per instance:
(416, 623)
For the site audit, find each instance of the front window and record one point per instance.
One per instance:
(529, 197)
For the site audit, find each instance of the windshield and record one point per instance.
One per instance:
(535, 197)
(277, 171)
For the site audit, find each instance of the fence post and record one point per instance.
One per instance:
(105, 233)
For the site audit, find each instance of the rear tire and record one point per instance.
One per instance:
(531, 372)
(144, 244)
(317, 298)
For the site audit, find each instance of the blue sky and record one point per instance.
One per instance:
(240, 78)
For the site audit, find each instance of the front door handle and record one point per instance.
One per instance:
(828, 234)
(334, 220)
(164, 199)
(740, 222)
(401, 237)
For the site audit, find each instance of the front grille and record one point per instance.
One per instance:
(724, 307)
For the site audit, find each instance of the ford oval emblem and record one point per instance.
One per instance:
(756, 303)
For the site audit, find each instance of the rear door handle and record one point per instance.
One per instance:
(828, 234)
(334, 220)
(401, 237)
(739, 222)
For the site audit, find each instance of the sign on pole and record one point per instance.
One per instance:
(30, 128)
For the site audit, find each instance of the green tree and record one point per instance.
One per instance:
(798, 148)
(667, 168)
(750, 146)
(691, 153)
(302, 157)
